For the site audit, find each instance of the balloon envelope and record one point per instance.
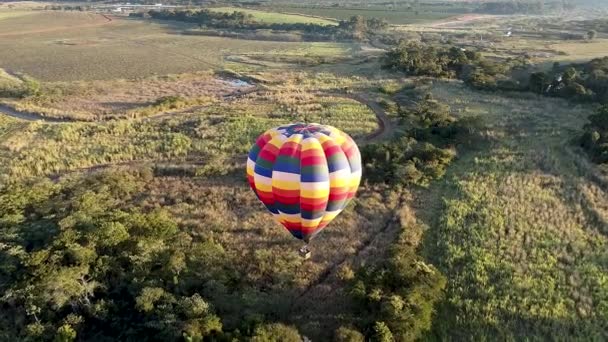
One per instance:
(305, 174)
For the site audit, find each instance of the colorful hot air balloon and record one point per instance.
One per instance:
(305, 174)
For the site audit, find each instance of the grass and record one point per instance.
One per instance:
(275, 17)
(218, 133)
(120, 49)
(104, 100)
(584, 50)
(518, 229)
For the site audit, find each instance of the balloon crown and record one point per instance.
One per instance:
(306, 129)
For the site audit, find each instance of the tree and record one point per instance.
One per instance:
(592, 34)
(538, 82)
(65, 333)
(381, 333)
(276, 332)
(347, 334)
(569, 75)
(358, 26)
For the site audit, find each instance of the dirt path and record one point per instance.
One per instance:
(107, 21)
(385, 129)
(6, 110)
(460, 20)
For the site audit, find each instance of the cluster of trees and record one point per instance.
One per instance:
(425, 152)
(428, 60)
(80, 259)
(595, 137)
(396, 297)
(582, 82)
(356, 27)
(76, 263)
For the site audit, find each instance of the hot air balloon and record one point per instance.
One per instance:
(305, 174)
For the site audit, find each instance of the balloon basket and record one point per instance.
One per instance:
(305, 253)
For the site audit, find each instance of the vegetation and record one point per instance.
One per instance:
(355, 28)
(580, 82)
(274, 17)
(512, 7)
(595, 138)
(477, 218)
(397, 296)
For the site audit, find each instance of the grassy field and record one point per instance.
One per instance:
(519, 227)
(122, 48)
(275, 17)
(582, 51)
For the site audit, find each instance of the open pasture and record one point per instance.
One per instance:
(582, 51)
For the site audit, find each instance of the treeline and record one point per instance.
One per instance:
(356, 27)
(512, 7)
(67, 8)
(580, 82)
(595, 137)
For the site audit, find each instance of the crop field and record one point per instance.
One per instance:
(520, 225)
(275, 17)
(121, 48)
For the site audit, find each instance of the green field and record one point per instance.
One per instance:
(275, 17)
(46, 46)
(518, 225)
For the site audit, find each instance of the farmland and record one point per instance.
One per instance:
(120, 48)
(125, 212)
